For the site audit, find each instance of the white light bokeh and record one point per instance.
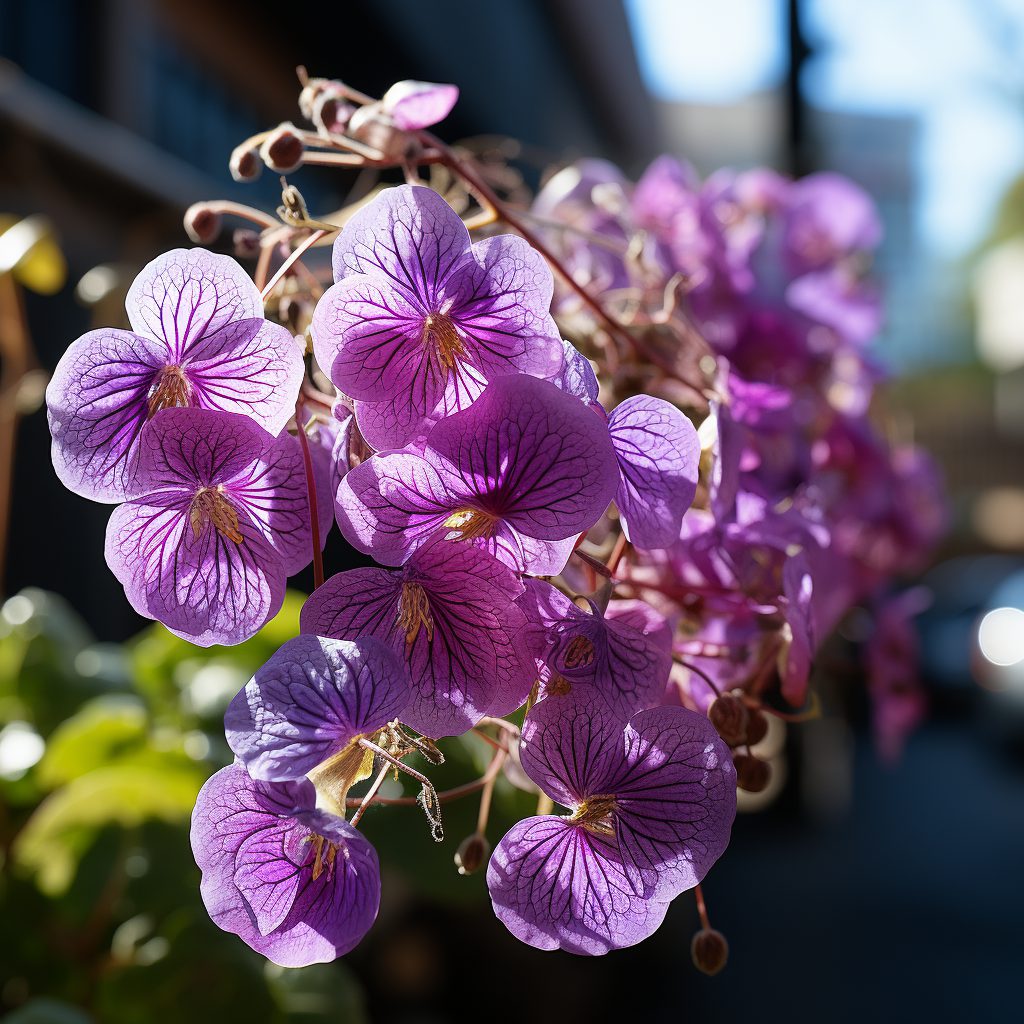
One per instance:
(1001, 636)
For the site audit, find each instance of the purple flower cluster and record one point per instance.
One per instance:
(532, 517)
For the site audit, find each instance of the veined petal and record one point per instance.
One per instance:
(253, 367)
(187, 294)
(310, 700)
(391, 504)
(658, 455)
(409, 235)
(556, 885)
(97, 405)
(414, 105)
(203, 587)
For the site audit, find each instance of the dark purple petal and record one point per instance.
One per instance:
(310, 700)
(675, 797)
(256, 844)
(97, 405)
(450, 614)
(658, 454)
(187, 294)
(557, 885)
(415, 105)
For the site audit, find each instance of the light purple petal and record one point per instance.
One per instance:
(576, 375)
(256, 844)
(557, 885)
(253, 367)
(415, 105)
(658, 454)
(187, 294)
(310, 700)
(384, 238)
(206, 588)
(97, 405)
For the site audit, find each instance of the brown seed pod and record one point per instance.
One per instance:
(728, 714)
(752, 774)
(709, 951)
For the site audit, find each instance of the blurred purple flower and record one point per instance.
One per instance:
(415, 105)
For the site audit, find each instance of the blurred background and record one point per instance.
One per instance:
(864, 887)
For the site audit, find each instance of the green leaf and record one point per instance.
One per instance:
(54, 838)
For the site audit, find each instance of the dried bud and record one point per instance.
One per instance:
(728, 714)
(472, 854)
(295, 312)
(247, 243)
(245, 164)
(757, 727)
(371, 125)
(308, 97)
(332, 112)
(282, 150)
(752, 774)
(202, 223)
(709, 951)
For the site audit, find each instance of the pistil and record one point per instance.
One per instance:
(414, 613)
(439, 330)
(211, 506)
(172, 390)
(471, 523)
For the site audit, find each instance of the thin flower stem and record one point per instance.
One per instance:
(696, 671)
(263, 262)
(618, 551)
(294, 255)
(702, 909)
(370, 794)
(488, 790)
(239, 210)
(314, 512)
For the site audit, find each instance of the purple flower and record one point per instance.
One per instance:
(450, 614)
(522, 472)
(311, 702)
(658, 454)
(652, 806)
(299, 885)
(421, 319)
(198, 339)
(415, 105)
(217, 519)
(624, 654)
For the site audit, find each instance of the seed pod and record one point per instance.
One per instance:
(282, 150)
(709, 951)
(752, 774)
(757, 727)
(728, 714)
(202, 224)
(245, 164)
(246, 243)
(472, 854)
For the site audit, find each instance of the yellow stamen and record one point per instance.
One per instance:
(172, 390)
(414, 613)
(471, 523)
(210, 505)
(595, 814)
(324, 852)
(440, 331)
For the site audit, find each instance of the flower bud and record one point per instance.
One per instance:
(752, 774)
(282, 150)
(202, 223)
(246, 243)
(709, 951)
(757, 727)
(472, 854)
(332, 112)
(728, 714)
(245, 164)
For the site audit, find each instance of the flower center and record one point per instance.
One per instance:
(439, 330)
(324, 852)
(595, 815)
(471, 523)
(210, 506)
(414, 613)
(170, 391)
(579, 653)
